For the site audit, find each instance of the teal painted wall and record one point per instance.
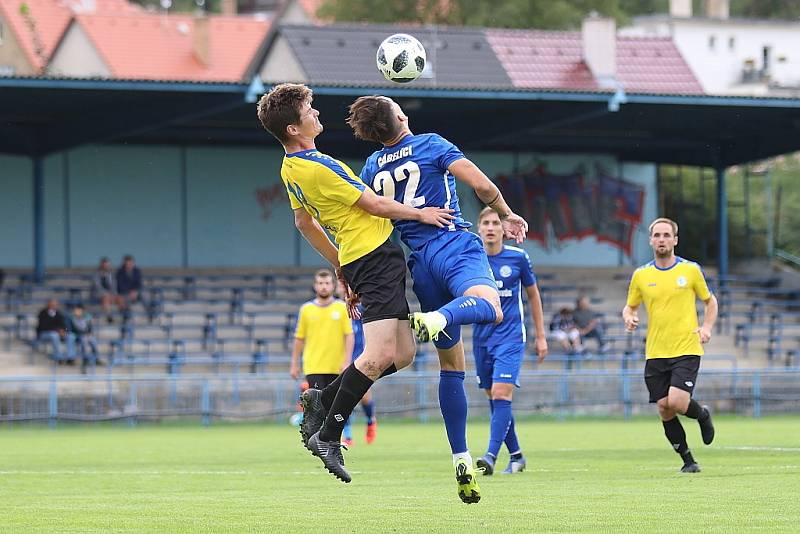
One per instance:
(16, 212)
(110, 200)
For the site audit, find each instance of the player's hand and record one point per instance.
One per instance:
(436, 216)
(514, 227)
(541, 349)
(704, 333)
(294, 371)
(631, 322)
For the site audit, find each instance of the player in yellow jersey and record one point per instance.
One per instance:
(324, 193)
(669, 286)
(324, 335)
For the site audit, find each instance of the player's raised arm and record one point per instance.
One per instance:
(514, 226)
(389, 208)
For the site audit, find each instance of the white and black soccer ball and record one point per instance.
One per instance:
(401, 58)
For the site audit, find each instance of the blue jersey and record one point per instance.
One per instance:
(512, 269)
(414, 172)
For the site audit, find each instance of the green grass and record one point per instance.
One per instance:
(583, 476)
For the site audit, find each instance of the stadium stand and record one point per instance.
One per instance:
(213, 321)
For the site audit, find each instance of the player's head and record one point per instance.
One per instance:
(377, 118)
(489, 226)
(663, 237)
(323, 283)
(286, 113)
(582, 303)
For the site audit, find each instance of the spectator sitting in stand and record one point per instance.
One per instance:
(563, 329)
(129, 282)
(82, 328)
(588, 323)
(104, 289)
(52, 327)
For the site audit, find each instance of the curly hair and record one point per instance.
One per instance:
(281, 107)
(372, 118)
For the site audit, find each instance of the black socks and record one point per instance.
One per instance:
(329, 392)
(673, 429)
(354, 384)
(694, 411)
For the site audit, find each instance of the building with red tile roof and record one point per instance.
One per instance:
(536, 59)
(160, 47)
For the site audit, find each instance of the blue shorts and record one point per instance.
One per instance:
(498, 363)
(444, 269)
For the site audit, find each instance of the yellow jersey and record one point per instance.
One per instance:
(669, 295)
(323, 329)
(327, 189)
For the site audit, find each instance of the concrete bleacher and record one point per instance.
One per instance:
(204, 320)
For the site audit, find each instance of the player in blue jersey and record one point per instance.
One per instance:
(500, 348)
(452, 277)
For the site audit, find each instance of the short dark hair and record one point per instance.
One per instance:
(322, 273)
(281, 107)
(127, 257)
(372, 118)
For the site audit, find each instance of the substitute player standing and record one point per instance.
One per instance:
(499, 349)
(668, 286)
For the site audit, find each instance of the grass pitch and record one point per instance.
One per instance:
(583, 476)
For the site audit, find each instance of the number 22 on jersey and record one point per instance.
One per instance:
(384, 183)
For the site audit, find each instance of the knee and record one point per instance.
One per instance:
(498, 310)
(664, 408)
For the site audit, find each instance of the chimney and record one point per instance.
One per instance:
(680, 9)
(229, 7)
(201, 39)
(600, 48)
(718, 9)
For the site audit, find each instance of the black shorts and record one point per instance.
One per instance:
(679, 372)
(320, 381)
(379, 279)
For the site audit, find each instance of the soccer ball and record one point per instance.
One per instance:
(401, 58)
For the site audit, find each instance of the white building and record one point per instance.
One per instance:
(730, 56)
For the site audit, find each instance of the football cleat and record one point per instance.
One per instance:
(313, 414)
(330, 452)
(486, 464)
(372, 431)
(468, 490)
(690, 468)
(514, 466)
(706, 426)
(428, 325)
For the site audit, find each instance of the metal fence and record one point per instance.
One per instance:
(619, 392)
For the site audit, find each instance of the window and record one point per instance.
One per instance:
(767, 54)
(731, 43)
(712, 41)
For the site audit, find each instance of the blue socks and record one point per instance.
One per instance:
(468, 310)
(347, 431)
(511, 436)
(453, 404)
(511, 440)
(498, 429)
(369, 411)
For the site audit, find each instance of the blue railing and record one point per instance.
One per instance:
(619, 392)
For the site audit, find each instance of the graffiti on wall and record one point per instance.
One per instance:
(575, 206)
(268, 197)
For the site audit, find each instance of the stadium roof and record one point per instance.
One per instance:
(44, 115)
